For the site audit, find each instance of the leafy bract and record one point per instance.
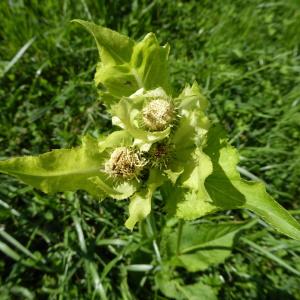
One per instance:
(193, 123)
(127, 66)
(140, 203)
(79, 168)
(191, 129)
(119, 191)
(190, 199)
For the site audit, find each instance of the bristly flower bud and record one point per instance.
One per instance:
(158, 114)
(124, 163)
(160, 154)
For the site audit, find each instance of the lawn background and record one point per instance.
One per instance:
(245, 55)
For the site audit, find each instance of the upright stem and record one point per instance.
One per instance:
(179, 234)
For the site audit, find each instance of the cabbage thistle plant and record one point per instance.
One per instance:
(165, 142)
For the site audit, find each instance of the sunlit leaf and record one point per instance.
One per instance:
(227, 190)
(59, 170)
(210, 183)
(80, 168)
(140, 203)
(127, 66)
(194, 201)
(114, 48)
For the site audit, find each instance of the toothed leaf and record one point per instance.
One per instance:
(228, 190)
(127, 66)
(114, 48)
(80, 168)
(59, 170)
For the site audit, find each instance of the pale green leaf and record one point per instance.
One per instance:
(117, 190)
(114, 48)
(114, 140)
(149, 60)
(59, 170)
(189, 199)
(191, 97)
(127, 66)
(195, 201)
(139, 207)
(193, 123)
(140, 203)
(227, 190)
(118, 80)
(223, 188)
(80, 168)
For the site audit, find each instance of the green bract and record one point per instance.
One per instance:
(166, 143)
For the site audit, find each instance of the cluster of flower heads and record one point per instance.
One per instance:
(157, 113)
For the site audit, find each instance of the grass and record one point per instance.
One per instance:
(246, 56)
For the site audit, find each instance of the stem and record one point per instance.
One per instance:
(180, 226)
(152, 228)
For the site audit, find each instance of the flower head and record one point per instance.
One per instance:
(158, 114)
(124, 163)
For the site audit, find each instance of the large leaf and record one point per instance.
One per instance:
(211, 183)
(114, 48)
(79, 168)
(227, 190)
(201, 245)
(127, 66)
(59, 170)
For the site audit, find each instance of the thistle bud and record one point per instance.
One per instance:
(158, 114)
(160, 154)
(124, 163)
